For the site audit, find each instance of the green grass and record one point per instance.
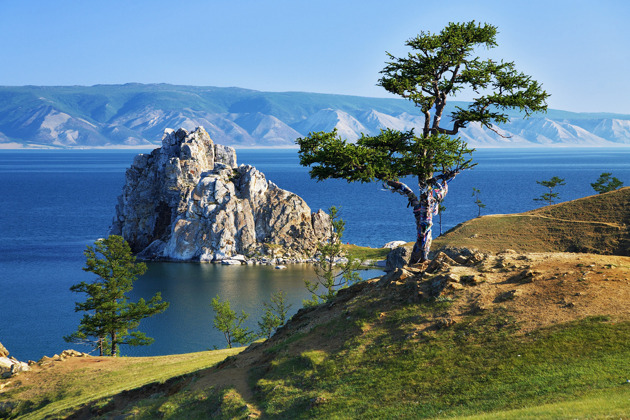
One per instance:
(603, 404)
(187, 404)
(364, 253)
(71, 390)
(480, 365)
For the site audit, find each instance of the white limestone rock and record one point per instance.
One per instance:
(189, 201)
(394, 244)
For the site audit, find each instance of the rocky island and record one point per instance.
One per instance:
(189, 201)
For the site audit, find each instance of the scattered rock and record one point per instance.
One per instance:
(441, 262)
(464, 256)
(509, 295)
(188, 200)
(73, 353)
(471, 279)
(525, 276)
(439, 284)
(280, 267)
(394, 277)
(9, 367)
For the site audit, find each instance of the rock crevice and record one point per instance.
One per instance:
(188, 200)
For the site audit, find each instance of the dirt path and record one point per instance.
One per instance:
(540, 216)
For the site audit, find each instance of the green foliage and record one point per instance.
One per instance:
(444, 64)
(605, 183)
(110, 317)
(550, 196)
(389, 155)
(441, 66)
(231, 325)
(331, 273)
(476, 192)
(275, 314)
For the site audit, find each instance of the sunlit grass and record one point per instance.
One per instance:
(80, 387)
(480, 365)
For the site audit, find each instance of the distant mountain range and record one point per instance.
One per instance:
(137, 114)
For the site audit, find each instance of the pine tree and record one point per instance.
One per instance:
(478, 202)
(231, 325)
(439, 66)
(275, 314)
(109, 317)
(331, 270)
(550, 197)
(605, 183)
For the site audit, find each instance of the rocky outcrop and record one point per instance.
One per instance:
(188, 200)
(10, 366)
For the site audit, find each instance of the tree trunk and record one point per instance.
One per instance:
(114, 345)
(432, 194)
(423, 214)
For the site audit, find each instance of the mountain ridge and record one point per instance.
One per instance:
(136, 115)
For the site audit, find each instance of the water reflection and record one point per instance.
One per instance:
(186, 326)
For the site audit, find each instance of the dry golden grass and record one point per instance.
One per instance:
(597, 224)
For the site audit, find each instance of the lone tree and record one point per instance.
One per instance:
(550, 196)
(275, 314)
(605, 183)
(110, 317)
(230, 324)
(476, 193)
(331, 270)
(439, 66)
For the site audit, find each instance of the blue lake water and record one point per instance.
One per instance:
(54, 203)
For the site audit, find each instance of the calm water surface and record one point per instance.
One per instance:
(54, 203)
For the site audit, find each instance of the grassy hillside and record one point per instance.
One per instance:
(58, 385)
(536, 333)
(598, 224)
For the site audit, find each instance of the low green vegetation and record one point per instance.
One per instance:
(59, 392)
(364, 253)
(480, 365)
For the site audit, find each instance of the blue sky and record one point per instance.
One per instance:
(578, 50)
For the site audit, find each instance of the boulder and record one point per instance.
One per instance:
(3, 351)
(189, 201)
(10, 367)
(397, 258)
(394, 244)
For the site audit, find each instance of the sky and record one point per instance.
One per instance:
(578, 50)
